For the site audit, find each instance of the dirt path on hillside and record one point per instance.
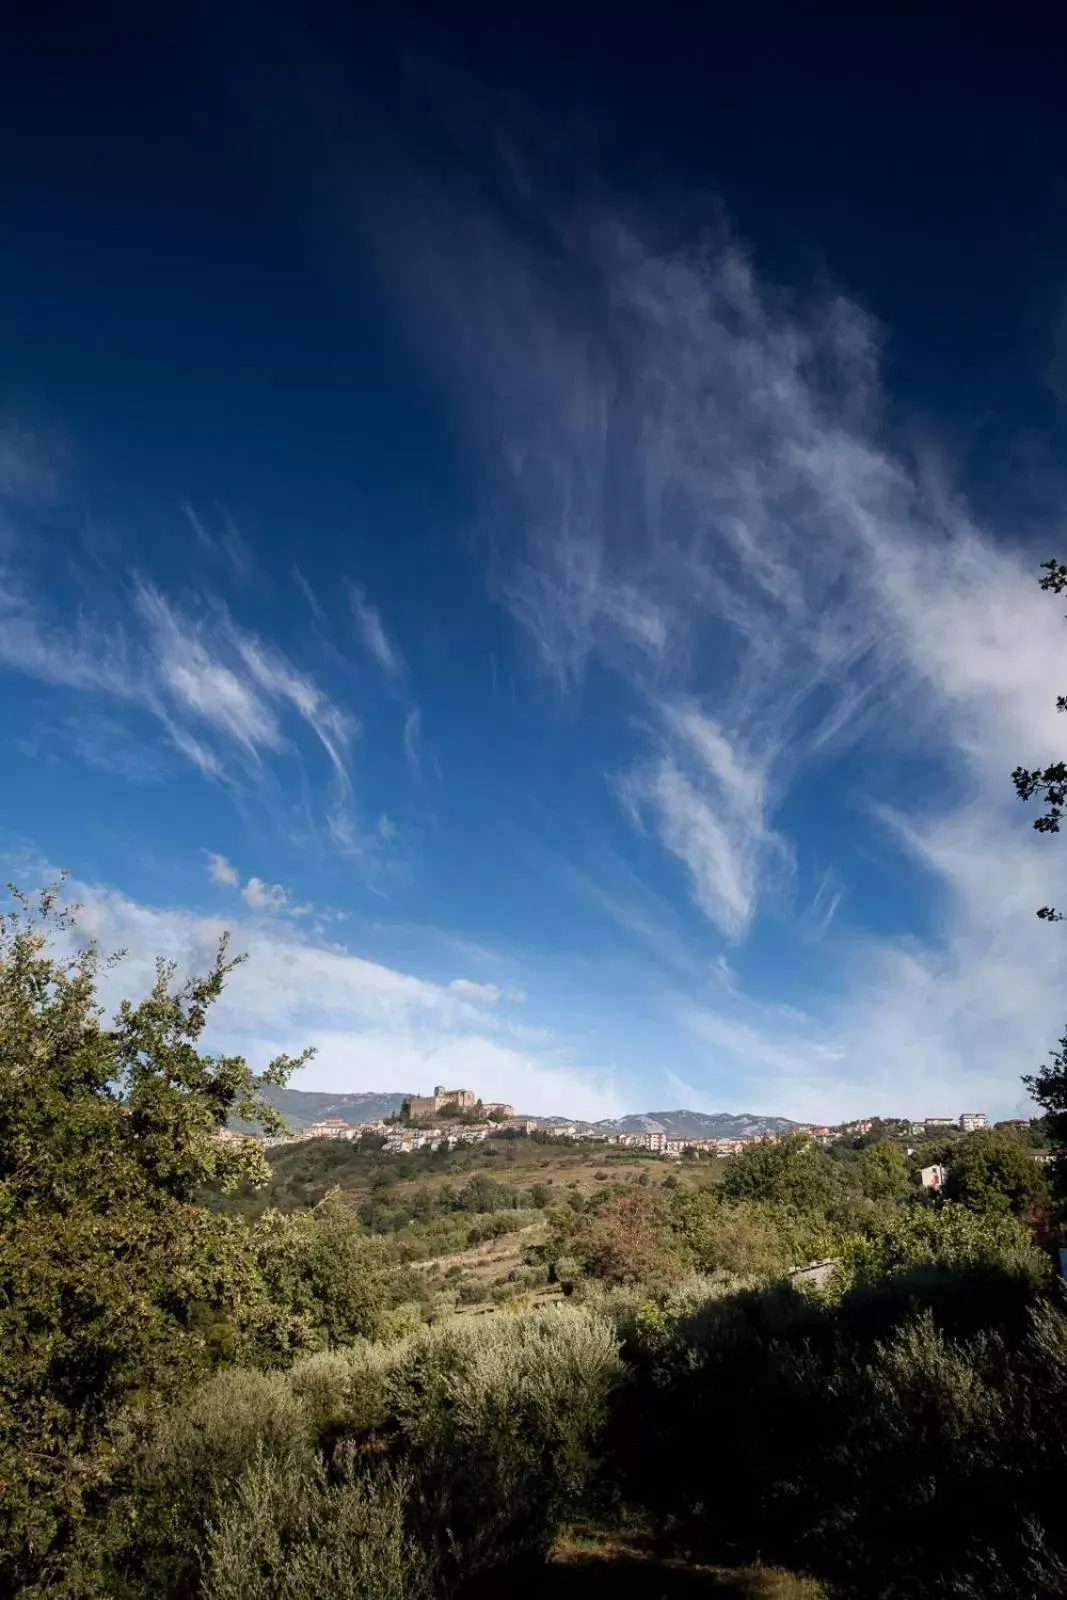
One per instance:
(596, 1565)
(488, 1259)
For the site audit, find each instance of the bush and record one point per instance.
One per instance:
(193, 1456)
(498, 1423)
(345, 1393)
(323, 1282)
(493, 1426)
(992, 1171)
(793, 1174)
(291, 1536)
(741, 1243)
(908, 1439)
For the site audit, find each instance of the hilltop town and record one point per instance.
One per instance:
(450, 1117)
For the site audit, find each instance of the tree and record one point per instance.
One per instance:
(113, 1282)
(743, 1240)
(1049, 1084)
(627, 1240)
(793, 1173)
(991, 1171)
(882, 1170)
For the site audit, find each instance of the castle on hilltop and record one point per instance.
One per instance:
(423, 1106)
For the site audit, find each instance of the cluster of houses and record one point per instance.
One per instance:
(404, 1138)
(452, 1117)
(966, 1122)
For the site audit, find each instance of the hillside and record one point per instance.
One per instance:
(303, 1173)
(301, 1106)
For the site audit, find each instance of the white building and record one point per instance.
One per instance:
(328, 1128)
(970, 1121)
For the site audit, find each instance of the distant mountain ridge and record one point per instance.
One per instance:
(698, 1124)
(303, 1106)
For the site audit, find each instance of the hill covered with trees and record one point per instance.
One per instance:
(351, 1374)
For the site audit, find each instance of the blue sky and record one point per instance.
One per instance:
(542, 543)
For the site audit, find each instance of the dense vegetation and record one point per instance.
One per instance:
(344, 1373)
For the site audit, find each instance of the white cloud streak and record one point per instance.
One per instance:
(224, 699)
(708, 805)
(702, 496)
(373, 636)
(487, 993)
(413, 740)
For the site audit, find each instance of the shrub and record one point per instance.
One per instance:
(323, 1282)
(742, 1243)
(792, 1173)
(346, 1392)
(993, 1171)
(287, 1535)
(194, 1454)
(498, 1425)
(908, 1439)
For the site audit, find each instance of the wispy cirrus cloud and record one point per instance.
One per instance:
(222, 698)
(373, 635)
(708, 804)
(226, 544)
(413, 740)
(703, 496)
(487, 993)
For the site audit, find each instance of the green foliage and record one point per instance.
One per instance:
(365, 1469)
(991, 1171)
(909, 1438)
(627, 1239)
(482, 1193)
(1034, 1134)
(913, 1235)
(111, 1279)
(1049, 1088)
(882, 1170)
(322, 1284)
(286, 1535)
(1049, 1084)
(191, 1459)
(744, 1240)
(499, 1424)
(792, 1174)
